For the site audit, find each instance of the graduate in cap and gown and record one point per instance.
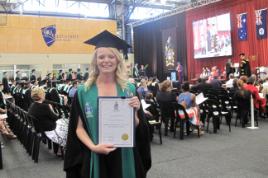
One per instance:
(33, 76)
(85, 157)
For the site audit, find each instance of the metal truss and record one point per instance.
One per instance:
(193, 5)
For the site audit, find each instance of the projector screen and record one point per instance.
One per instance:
(212, 37)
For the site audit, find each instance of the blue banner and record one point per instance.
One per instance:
(261, 28)
(242, 26)
(49, 34)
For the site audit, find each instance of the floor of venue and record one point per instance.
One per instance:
(240, 154)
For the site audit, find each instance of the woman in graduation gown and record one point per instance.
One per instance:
(85, 157)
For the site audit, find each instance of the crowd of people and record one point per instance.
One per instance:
(84, 155)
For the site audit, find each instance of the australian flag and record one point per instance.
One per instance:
(242, 26)
(261, 29)
(49, 34)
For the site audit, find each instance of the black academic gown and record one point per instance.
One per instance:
(245, 68)
(33, 78)
(77, 157)
(6, 88)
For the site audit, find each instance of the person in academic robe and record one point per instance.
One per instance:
(17, 76)
(85, 157)
(52, 94)
(69, 75)
(59, 75)
(33, 76)
(4, 127)
(26, 93)
(6, 86)
(229, 68)
(86, 74)
(245, 66)
(179, 70)
(79, 75)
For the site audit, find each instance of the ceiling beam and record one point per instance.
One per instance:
(139, 4)
(96, 1)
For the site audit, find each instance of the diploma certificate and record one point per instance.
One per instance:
(116, 121)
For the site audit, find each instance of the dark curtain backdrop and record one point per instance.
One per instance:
(148, 44)
(251, 47)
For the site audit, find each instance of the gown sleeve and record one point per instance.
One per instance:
(143, 147)
(76, 153)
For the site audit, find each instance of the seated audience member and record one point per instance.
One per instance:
(242, 97)
(258, 101)
(215, 83)
(72, 92)
(153, 87)
(165, 95)
(229, 83)
(42, 112)
(235, 87)
(142, 89)
(244, 79)
(4, 128)
(187, 100)
(201, 86)
(165, 92)
(265, 88)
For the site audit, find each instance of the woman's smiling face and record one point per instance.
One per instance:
(106, 61)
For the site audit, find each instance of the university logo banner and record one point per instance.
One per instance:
(242, 26)
(49, 34)
(261, 29)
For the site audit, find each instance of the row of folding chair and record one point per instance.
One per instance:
(22, 124)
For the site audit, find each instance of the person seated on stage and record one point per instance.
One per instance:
(45, 118)
(229, 83)
(259, 103)
(205, 73)
(142, 89)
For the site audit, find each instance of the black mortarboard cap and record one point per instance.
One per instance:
(107, 39)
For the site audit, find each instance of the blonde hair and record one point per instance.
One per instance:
(120, 73)
(166, 85)
(37, 93)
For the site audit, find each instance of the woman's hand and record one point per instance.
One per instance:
(103, 148)
(135, 103)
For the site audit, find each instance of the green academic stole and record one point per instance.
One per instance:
(88, 102)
